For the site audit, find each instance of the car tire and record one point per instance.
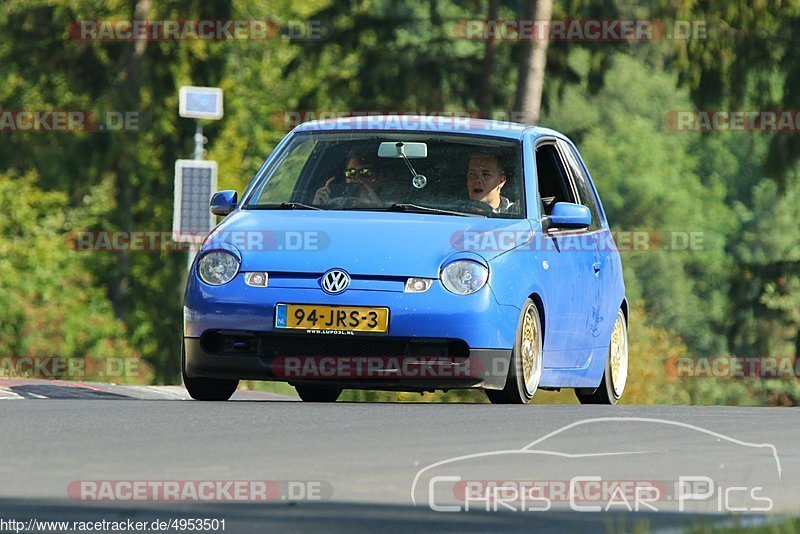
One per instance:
(525, 367)
(615, 375)
(315, 393)
(207, 389)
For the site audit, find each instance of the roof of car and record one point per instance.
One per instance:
(426, 123)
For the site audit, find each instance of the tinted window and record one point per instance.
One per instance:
(344, 171)
(553, 179)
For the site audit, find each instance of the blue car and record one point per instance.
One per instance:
(411, 254)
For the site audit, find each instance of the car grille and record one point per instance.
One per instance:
(278, 345)
(331, 345)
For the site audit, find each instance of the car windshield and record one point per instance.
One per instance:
(421, 173)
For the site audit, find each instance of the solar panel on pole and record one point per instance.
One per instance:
(195, 183)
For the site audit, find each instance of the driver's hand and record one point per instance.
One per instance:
(322, 196)
(368, 193)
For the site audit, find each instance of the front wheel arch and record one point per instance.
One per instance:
(624, 307)
(537, 300)
(526, 364)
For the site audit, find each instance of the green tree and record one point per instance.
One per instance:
(44, 69)
(747, 60)
(50, 307)
(651, 182)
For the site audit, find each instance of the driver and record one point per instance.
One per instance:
(485, 181)
(360, 180)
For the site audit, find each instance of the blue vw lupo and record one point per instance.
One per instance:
(413, 254)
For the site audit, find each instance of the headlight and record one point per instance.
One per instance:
(217, 268)
(464, 277)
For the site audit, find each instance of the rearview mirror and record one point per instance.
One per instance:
(398, 149)
(224, 202)
(567, 215)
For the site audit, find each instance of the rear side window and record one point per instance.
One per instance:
(585, 191)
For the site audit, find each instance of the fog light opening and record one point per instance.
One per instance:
(418, 285)
(257, 279)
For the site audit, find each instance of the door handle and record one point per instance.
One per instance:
(596, 266)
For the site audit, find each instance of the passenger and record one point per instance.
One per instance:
(485, 181)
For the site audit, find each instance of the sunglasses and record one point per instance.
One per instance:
(365, 172)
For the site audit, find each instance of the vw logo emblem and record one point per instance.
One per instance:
(335, 281)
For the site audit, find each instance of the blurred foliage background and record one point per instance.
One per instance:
(739, 295)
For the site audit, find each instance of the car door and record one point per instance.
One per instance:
(568, 263)
(604, 305)
(592, 239)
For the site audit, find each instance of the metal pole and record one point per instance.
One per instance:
(199, 141)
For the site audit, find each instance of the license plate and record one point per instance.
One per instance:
(331, 318)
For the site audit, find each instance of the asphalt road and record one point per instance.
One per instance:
(360, 465)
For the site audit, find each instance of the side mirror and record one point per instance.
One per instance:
(567, 215)
(224, 202)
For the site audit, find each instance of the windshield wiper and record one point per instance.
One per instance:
(282, 206)
(416, 208)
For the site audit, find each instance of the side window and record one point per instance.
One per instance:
(553, 179)
(585, 192)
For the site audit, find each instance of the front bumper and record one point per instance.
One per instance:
(484, 329)
(476, 319)
(486, 368)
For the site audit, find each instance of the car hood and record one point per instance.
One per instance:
(362, 242)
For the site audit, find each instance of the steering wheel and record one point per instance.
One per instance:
(338, 203)
(476, 206)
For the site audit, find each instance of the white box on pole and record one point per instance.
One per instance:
(200, 102)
